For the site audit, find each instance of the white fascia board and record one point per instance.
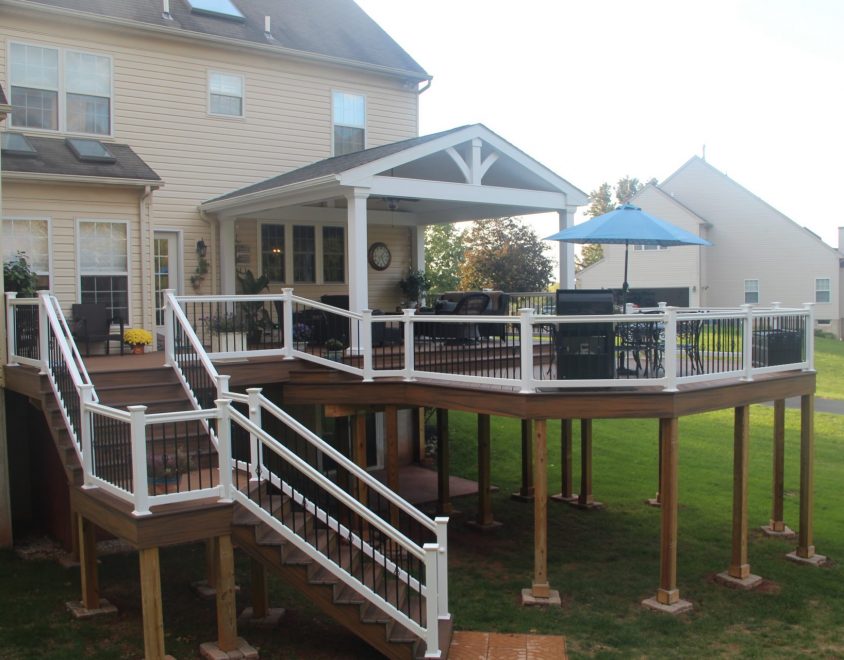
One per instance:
(216, 40)
(295, 193)
(36, 177)
(388, 186)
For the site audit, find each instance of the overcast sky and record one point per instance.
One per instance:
(600, 89)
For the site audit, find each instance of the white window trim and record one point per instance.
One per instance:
(260, 255)
(127, 273)
(321, 254)
(365, 126)
(49, 273)
(234, 74)
(318, 246)
(757, 292)
(62, 92)
(638, 247)
(827, 290)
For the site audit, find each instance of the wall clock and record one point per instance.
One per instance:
(379, 256)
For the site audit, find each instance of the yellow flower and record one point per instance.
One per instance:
(137, 337)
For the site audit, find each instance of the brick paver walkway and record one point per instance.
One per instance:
(467, 645)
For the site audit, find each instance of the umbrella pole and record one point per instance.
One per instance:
(625, 285)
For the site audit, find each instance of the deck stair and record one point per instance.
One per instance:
(335, 598)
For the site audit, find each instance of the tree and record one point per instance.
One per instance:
(443, 255)
(504, 254)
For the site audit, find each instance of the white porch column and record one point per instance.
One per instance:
(227, 257)
(566, 220)
(356, 248)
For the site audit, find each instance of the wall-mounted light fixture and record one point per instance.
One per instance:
(201, 248)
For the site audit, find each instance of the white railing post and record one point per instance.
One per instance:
(409, 364)
(138, 438)
(169, 328)
(43, 331)
(747, 342)
(366, 344)
(254, 417)
(86, 396)
(223, 385)
(810, 335)
(442, 568)
(670, 365)
(526, 348)
(224, 451)
(432, 632)
(11, 327)
(287, 322)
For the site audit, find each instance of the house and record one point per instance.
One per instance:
(758, 255)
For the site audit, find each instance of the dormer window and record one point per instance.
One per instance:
(60, 90)
(221, 8)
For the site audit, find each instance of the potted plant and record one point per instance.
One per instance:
(334, 350)
(301, 336)
(137, 338)
(228, 332)
(18, 276)
(254, 314)
(414, 286)
(164, 470)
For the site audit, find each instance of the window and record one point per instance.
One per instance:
(333, 254)
(822, 293)
(304, 254)
(349, 119)
(69, 91)
(272, 252)
(32, 238)
(751, 292)
(221, 8)
(225, 94)
(650, 247)
(104, 265)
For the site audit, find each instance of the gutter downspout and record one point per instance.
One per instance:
(147, 287)
(5, 494)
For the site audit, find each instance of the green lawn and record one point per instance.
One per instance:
(602, 562)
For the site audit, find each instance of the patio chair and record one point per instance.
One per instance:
(91, 322)
(471, 304)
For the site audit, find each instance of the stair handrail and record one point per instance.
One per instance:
(427, 554)
(77, 356)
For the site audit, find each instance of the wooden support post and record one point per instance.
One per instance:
(226, 612)
(805, 552)
(359, 452)
(260, 596)
(75, 525)
(540, 591)
(391, 423)
(88, 564)
(566, 487)
(211, 562)
(153, 617)
(738, 574)
(443, 496)
(484, 520)
(585, 499)
(657, 499)
(777, 526)
(668, 595)
(526, 491)
(419, 435)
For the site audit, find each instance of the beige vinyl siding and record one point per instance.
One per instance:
(65, 205)
(160, 98)
(754, 241)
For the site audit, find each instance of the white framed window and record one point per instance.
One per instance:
(59, 89)
(272, 252)
(751, 292)
(822, 290)
(30, 236)
(306, 254)
(348, 118)
(103, 247)
(650, 247)
(225, 94)
(333, 254)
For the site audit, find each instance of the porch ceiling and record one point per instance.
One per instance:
(466, 173)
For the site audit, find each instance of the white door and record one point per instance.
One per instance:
(166, 269)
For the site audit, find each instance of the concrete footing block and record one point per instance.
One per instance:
(481, 527)
(519, 497)
(529, 600)
(746, 584)
(242, 651)
(784, 533)
(274, 615)
(677, 607)
(814, 560)
(559, 497)
(79, 611)
(206, 591)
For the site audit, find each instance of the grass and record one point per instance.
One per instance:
(602, 562)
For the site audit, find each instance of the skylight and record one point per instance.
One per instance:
(16, 144)
(222, 8)
(90, 150)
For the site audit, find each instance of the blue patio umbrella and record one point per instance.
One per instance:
(625, 225)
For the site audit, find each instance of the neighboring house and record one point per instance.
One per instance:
(127, 116)
(758, 255)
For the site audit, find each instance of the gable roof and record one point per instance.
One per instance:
(330, 29)
(54, 157)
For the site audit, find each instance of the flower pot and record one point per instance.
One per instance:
(300, 345)
(337, 356)
(137, 349)
(228, 342)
